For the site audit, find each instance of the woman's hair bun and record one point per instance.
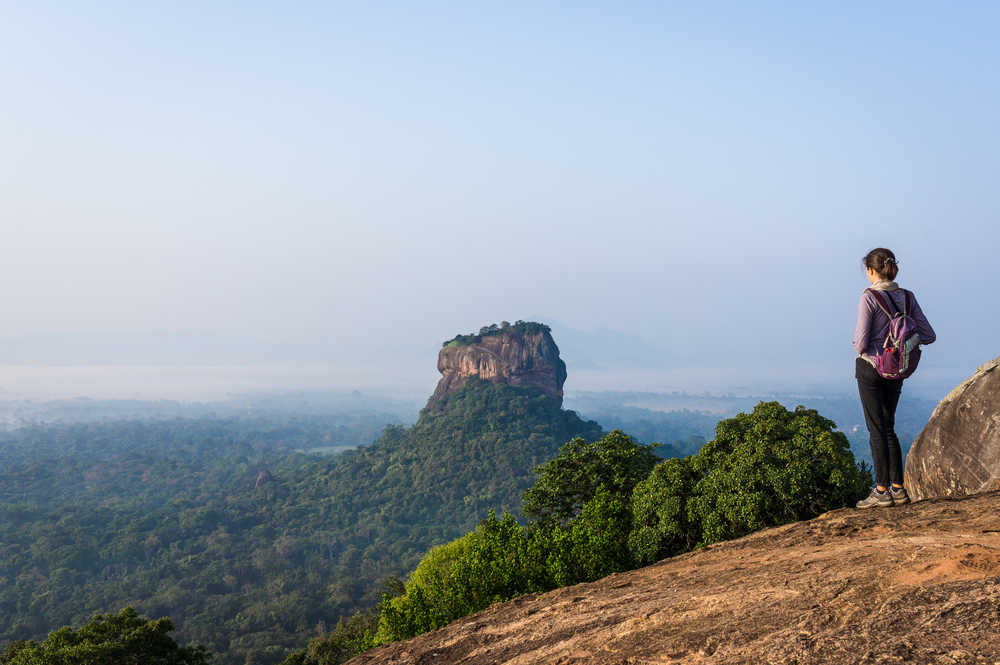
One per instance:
(882, 261)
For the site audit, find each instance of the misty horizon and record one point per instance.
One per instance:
(191, 371)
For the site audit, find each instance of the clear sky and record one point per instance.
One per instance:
(684, 191)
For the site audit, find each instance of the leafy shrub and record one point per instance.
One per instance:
(660, 525)
(590, 547)
(490, 564)
(107, 640)
(349, 637)
(570, 479)
(770, 467)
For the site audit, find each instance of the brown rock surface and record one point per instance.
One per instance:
(911, 584)
(958, 452)
(512, 357)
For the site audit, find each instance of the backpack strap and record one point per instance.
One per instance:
(908, 302)
(883, 303)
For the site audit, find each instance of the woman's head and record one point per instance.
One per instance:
(883, 262)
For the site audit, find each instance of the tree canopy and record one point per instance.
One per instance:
(769, 467)
(569, 480)
(165, 515)
(108, 639)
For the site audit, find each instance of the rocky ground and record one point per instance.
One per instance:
(911, 584)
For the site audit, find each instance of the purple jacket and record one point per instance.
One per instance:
(873, 324)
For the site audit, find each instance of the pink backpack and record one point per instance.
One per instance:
(901, 350)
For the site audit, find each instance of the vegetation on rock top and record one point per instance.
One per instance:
(519, 328)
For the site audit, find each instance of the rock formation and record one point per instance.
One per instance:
(958, 452)
(522, 355)
(912, 584)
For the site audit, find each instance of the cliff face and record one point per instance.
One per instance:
(958, 452)
(512, 356)
(912, 584)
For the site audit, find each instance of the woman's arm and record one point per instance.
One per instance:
(927, 335)
(866, 308)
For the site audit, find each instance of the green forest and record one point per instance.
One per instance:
(164, 515)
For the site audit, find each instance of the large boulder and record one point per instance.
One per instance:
(958, 452)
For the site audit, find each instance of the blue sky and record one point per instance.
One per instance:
(340, 187)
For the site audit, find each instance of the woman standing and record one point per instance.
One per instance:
(879, 396)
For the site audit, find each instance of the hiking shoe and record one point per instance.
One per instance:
(899, 496)
(874, 499)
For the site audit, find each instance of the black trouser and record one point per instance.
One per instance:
(879, 398)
